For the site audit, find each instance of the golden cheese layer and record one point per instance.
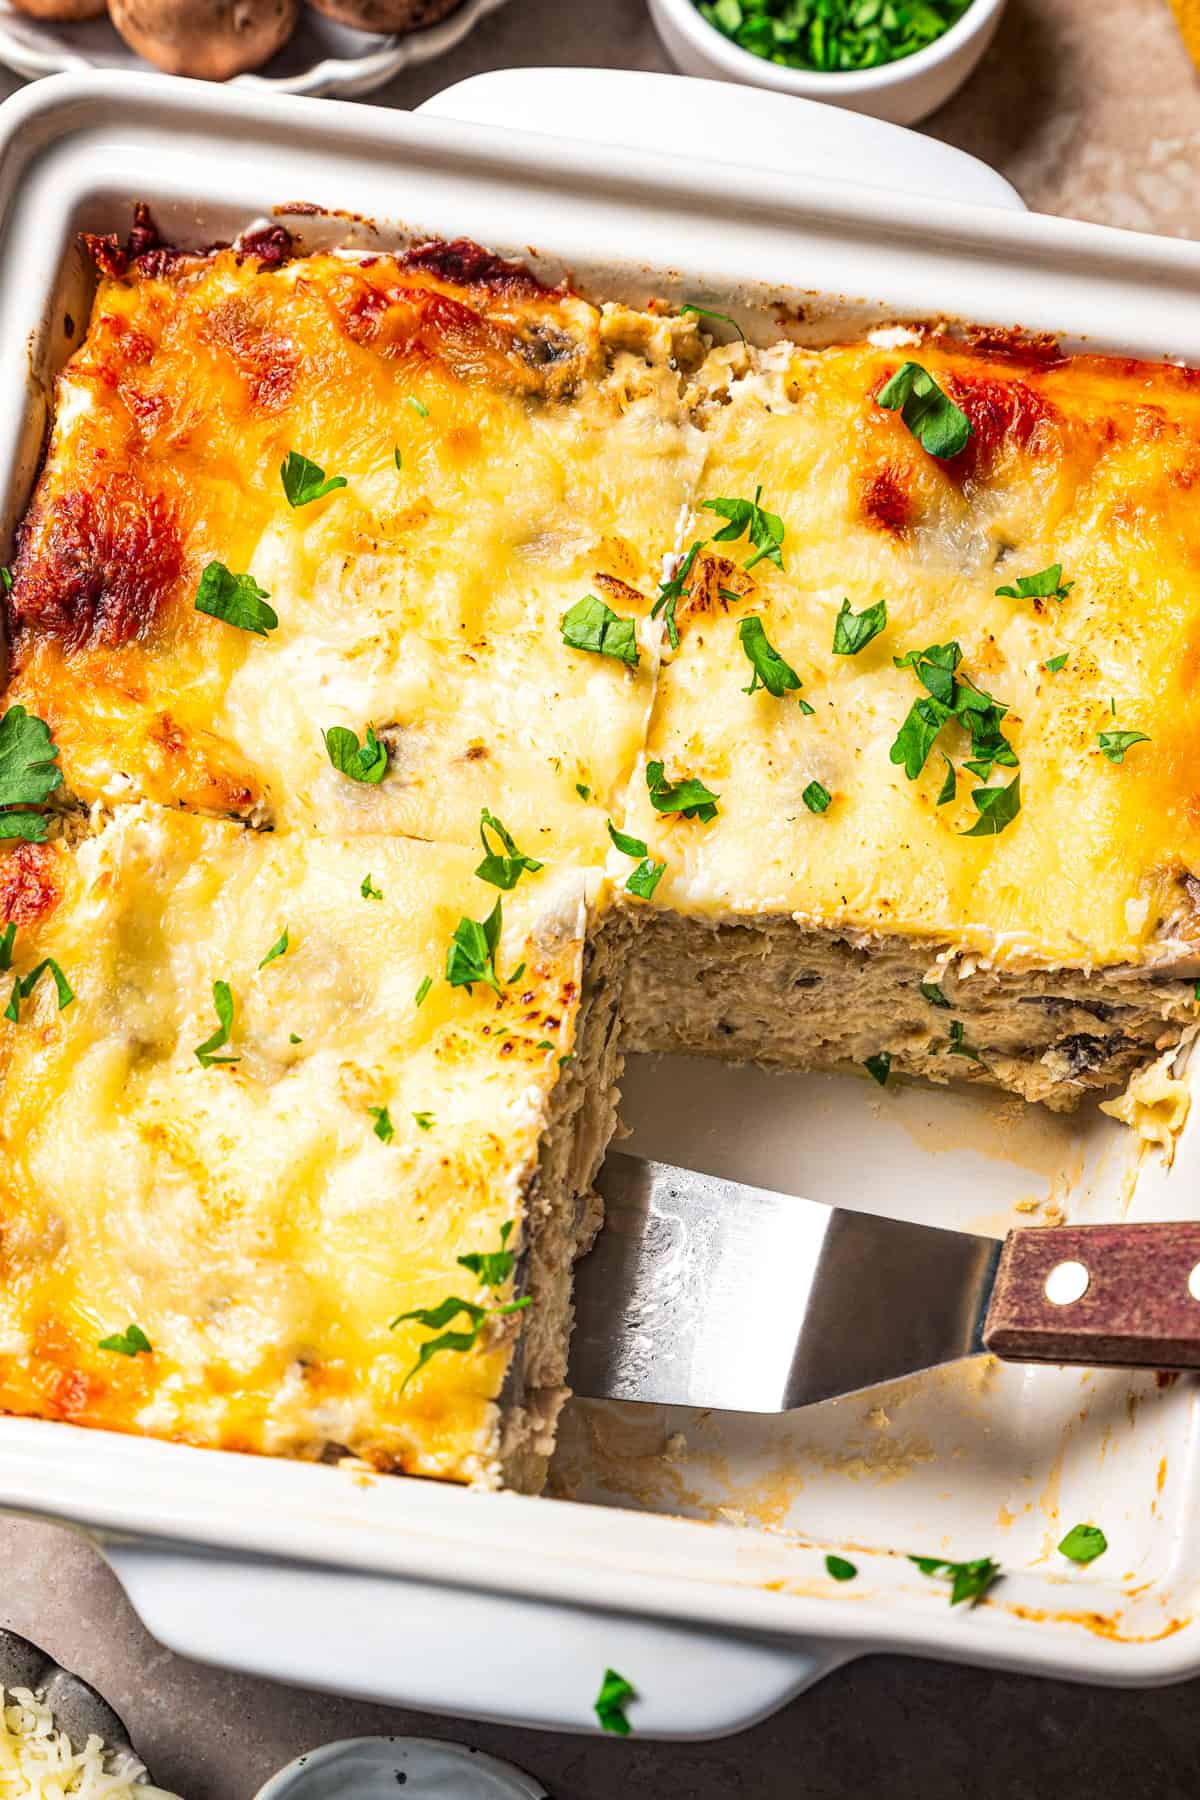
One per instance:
(501, 448)
(248, 1216)
(1085, 462)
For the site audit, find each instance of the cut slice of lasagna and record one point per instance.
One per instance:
(944, 692)
(271, 1180)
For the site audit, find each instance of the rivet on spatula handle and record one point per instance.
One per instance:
(1123, 1295)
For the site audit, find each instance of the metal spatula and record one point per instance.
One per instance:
(703, 1292)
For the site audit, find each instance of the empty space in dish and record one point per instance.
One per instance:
(967, 1461)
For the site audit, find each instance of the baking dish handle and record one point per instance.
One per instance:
(726, 122)
(417, 1644)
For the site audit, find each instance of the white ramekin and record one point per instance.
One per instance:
(901, 91)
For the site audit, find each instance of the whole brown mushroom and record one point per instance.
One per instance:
(65, 11)
(211, 39)
(385, 15)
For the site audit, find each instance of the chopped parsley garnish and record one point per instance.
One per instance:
(23, 986)
(840, 1569)
(504, 867)
(237, 599)
(1056, 663)
(293, 1038)
(971, 1580)
(610, 1703)
(369, 891)
(591, 624)
(424, 1120)
(435, 1317)
(949, 786)
(917, 735)
(816, 797)
(278, 948)
(1047, 584)
(472, 953)
(515, 976)
(770, 670)
(397, 458)
(704, 312)
(366, 762)
(130, 1342)
(304, 482)
(940, 427)
(853, 631)
(6, 944)
(648, 874)
(493, 1267)
(932, 991)
(879, 1067)
(29, 773)
(958, 1046)
(998, 807)
(833, 35)
(1115, 743)
(671, 592)
(418, 407)
(689, 796)
(6, 576)
(424, 988)
(1084, 1543)
(765, 529)
(582, 789)
(383, 1128)
(223, 1002)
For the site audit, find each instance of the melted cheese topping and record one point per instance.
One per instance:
(537, 450)
(247, 1217)
(1084, 462)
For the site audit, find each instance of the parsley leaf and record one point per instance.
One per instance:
(853, 631)
(915, 738)
(932, 991)
(1084, 1543)
(591, 624)
(424, 988)
(816, 797)
(610, 1703)
(940, 427)
(934, 668)
(369, 891)
(472, 953)
(689, 796)
(971, 1580)
(1056, 663)
(770, 670)
(130, 1342)
(449, 1309)
(418, 406)
(879, 1067)
(493, 1267)
(703, 312)
(1115, 743)
(383, 1128)
(367, 763)
(1047, 584)
(28, 772)
(278, 948)
(223, 1002)
(671, 592)
(765, 529)
(949, 787)
(304, 482)
(6, 944)
(998, 807)
(503, 871)
(840, 1569)
(23, 986)
(583, 790)
(424, 1120)
(6, 576)
(648, 874)
(958, 1046)
(237, 599)
(628, 846)
(397, 458)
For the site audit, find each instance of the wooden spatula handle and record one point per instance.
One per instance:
(1139, 1306)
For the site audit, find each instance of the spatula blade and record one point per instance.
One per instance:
(705, 1292)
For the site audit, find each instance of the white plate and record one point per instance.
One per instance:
(322, 58)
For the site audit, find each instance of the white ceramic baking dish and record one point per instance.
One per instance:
(698, 1573)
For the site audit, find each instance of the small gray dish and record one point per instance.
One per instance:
(78, 1709)
(375, 1768)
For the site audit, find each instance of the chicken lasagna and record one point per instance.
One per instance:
(424, 683)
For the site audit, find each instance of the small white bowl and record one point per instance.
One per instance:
(903, 91)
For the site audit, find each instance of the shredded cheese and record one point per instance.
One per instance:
(37, 1761)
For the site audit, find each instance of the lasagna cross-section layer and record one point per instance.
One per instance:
(818, 706)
